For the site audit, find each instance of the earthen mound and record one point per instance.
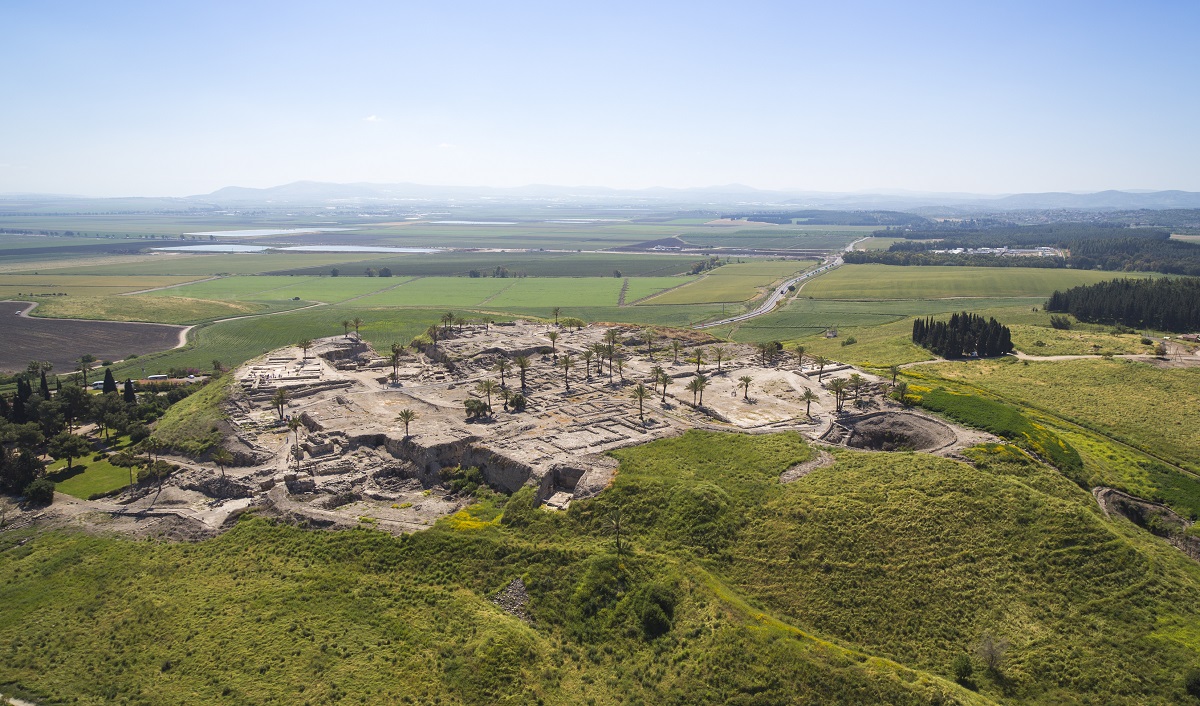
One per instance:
(897, 431)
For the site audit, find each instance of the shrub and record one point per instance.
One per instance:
(1191, 682)
(850, 341)
(1060, 322)
(962, 668)
(40, 492)
(139, 433)
(519, 509)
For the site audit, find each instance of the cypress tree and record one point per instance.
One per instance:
(110, 385)
(128, 394)
(45, 387)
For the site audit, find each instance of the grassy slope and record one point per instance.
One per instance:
(190, 425)
(908, 556)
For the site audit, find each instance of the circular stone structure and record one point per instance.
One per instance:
(897, 431)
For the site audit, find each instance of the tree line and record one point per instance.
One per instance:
(964, 335)
(1165, 304)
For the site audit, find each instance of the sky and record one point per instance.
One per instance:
(179, 98)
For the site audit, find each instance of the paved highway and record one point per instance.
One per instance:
(779, 293)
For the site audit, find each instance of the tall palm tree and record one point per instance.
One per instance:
(567, 362)
(702, 382)
(640, 393)
(698, 359)
(279, 400)
(553, 336)
(222, 458)
(809, 397)
(304, 346)
(587, 355)
(648, 334)
(744, 381)
(820, 361)
(901, 391)
(406, 417)
(611, 336)
(557, 311)
(487, 387)
(800, 350)
(599, 349)
(611, 351)
(502, 366)
(621, 367)
(675, 346)
(357, 323)
(855, 385)
(894, 370)
(766, 349)
(664, 380)
(838, 387)
(693, 387)
(719, 354)
(447, 320)
(522, 363)
(346, 327)
(656, 374)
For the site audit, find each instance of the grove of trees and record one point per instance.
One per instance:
(964, 335)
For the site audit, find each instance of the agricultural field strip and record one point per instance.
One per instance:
(884, 282)
(736, 282)
(12, 284)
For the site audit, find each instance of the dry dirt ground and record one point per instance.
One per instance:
(345, 459)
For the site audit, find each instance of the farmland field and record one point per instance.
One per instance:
(779, 237)
(143, 307)
(275, 288)
(736, 282)
(897, 282)
(532, 264)
(62, 342)
(875, 243)
(204, 265)
(85, 286)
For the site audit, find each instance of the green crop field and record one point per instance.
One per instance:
(732, 588)
(874, 243)
(275, 288)
(532, 264)
(215, 264)
(162, 310)
(736, 282)
(778, 237)
(12, 286)
(897, 282)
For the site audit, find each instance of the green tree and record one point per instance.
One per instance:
(567, 362)
(648, 334)
(800, 351)
(665, 380)
(553, 336)
(556, 311)
(69, 446)
(346, 327)
(487, 387)
(502, 366)
(305, 344)
(522, 363)
(838, 387)
(222, 458)
(719, 354)
(895, 371)
(406, 417)
(110, 384)
(697, 358)
(744, 381)
(820, 361)
(279, 399)
(809, 397)
(587, 355)
(676, 345)
(357, 323)
(640, 393)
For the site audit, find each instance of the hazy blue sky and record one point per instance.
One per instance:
(168, 98)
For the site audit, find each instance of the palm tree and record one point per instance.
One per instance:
(675, 346)
(487, 387)
(611, 336)
(502, 367)
(588, 354)
(766, 349)
(800, 350)
(744, 381)
(356, 322)
(557, 311)
(838, 387)
(701, 383)
(522, 363)
(447, 320)
(621, 367)
(855, 385)
(719, 354)
(665, 380)
(304, 346)
(294, 427)
(901, 391)
(648, 334)
(698, 359)
(656, 374)
(567, 362)
(397, 351)
(599, 350)
(298, 454)
(279, 400)
(222, 458)
(640, 393)
(611, 351)
(406, 417)
(693, 387)
(809, 397)
(820, 361)
(346, 327)
(553, 336)
(894, 370)
(434, 334)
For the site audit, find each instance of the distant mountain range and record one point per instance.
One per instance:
(729, 196)
(311, 192)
